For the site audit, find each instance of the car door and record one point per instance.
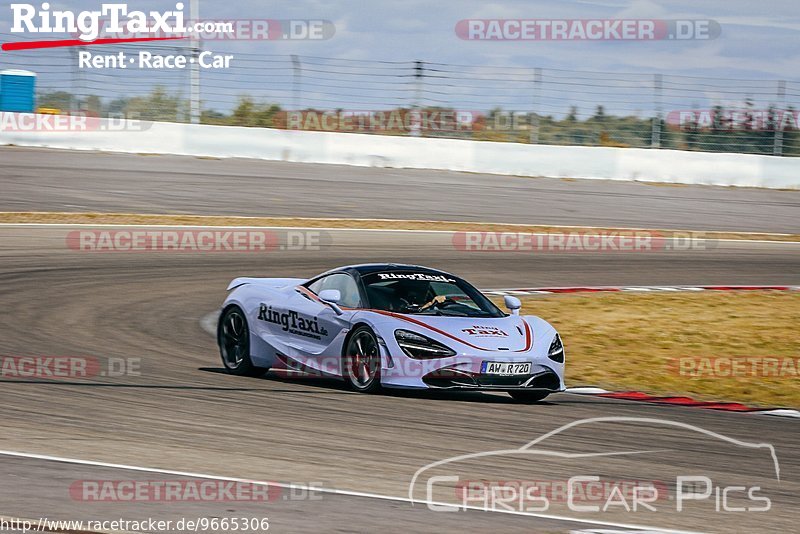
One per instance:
(314, 326)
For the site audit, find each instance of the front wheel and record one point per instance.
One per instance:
(361, 363)
(233, 338)
(528, 396)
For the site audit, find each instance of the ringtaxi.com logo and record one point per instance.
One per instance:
(29, 18)
(586, 29)
(196, 240)
(595, 241)
(67, 367)
(118, 21)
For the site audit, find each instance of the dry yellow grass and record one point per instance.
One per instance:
(633, 341)
(394, 224)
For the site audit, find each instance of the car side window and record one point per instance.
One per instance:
(346, 286)
(316, 286)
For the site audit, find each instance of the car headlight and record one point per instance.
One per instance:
(556, 350)
(420, 347)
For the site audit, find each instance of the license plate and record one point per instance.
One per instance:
(506, 368)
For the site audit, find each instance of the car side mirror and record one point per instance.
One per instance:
(513, 304)
(332, 297)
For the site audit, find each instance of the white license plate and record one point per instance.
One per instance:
(506, 368)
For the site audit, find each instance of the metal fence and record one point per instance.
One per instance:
(496, 103)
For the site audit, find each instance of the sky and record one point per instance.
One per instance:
(758, 40)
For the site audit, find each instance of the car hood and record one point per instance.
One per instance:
(510, 333)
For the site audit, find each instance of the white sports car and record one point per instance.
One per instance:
(389, 325)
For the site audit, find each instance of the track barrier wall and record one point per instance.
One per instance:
(631, 164)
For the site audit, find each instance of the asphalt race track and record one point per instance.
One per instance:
(49, 180)
(179, 413)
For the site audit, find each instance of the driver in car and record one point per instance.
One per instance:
(438, 299)
(411, 292)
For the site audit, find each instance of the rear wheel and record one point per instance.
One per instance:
(361, 363)
(529, 396)
(233, 338)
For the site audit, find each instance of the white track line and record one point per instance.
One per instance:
(780, 412)
(634, 289)
(346, 493)
(587, 390)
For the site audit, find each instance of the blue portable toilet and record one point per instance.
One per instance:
(17, 91)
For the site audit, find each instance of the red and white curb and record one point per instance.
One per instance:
(683, 401)
(631, 289)
(644, 397)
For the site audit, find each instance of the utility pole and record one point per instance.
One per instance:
(655, 136)
(74, 101)
(297, 81)
(777, 148)
(194, 83)
(415, 123)
(533, 123)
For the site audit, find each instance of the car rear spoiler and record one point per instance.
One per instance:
(273, 283)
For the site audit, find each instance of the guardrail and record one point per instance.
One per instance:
(670, 166)
(524, 104)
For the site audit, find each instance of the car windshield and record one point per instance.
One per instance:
(423, 293)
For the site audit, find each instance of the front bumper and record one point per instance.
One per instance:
(451, 378)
